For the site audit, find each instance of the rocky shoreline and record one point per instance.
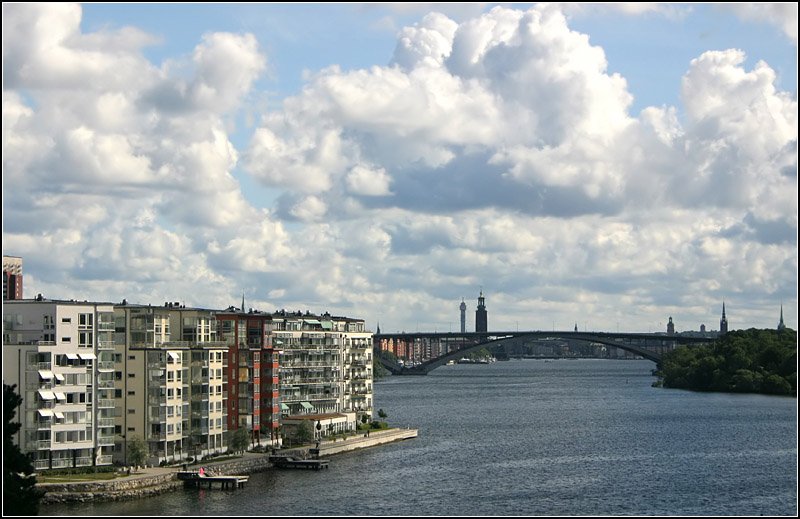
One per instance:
(160, 480)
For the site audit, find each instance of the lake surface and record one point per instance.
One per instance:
(534, 437)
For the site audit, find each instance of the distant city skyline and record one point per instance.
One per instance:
(602, 165)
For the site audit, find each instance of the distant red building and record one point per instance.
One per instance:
(12, 278)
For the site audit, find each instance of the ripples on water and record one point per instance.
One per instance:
(582, 437)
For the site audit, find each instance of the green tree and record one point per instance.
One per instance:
(746, 361)
(20, 495)
(137, 451)
(240, 440)
(382, 414)
(303, 433)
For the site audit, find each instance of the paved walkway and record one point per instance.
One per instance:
(332, 447)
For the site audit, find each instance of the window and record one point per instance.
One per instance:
(131, 375)
(66, 339)
(131, 411)
(85, 339)
(131, 393)
(66, 319)
(85, 320)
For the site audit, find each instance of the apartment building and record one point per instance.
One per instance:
(59, 354)
(253, 374)
(170, 382)
(325, 367)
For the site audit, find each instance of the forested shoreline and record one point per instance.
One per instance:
(741, 361)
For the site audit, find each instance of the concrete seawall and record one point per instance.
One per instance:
(157, 480)
(375, 438)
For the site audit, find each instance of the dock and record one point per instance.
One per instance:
(193, 479)
(290, 462)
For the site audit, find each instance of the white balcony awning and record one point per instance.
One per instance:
(61, 396)
(46, 395)
(45, 412)
(59, 377)
(173, 355)
(45, 374)
(87, 356)
(58, 415)
(72, 356)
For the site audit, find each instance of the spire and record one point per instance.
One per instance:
(781, 326)
(723, 323)
(379, 328)
(242, 300)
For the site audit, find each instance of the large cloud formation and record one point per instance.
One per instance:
(496, 152)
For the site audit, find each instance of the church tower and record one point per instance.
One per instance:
(781, 326)
(463, 308)
(670, 327)
(723, 323)
(480, 315)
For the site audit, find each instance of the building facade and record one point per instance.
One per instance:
(60, 356)
(254, 393)
(325, 366)
(170, 382)
(12, 278)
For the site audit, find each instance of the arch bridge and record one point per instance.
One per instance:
(431, 350)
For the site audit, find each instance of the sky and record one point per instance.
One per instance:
(605, 166)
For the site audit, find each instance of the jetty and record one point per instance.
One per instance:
(290, 462)
(192, 478)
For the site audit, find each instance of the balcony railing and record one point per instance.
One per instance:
(104, 441)
(105, 422)
(105, 345)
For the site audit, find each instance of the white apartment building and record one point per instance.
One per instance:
(325, 366)
(59, 354)
(171, 382)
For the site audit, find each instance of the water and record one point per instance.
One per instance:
(529, 437)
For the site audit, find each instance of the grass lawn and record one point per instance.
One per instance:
(72, 478)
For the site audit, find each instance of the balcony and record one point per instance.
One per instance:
(105, 345)
(105, 441)
(105, 422)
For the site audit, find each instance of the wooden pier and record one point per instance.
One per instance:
(193, 479)
(290, 462)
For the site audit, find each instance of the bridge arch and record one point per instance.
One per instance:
(621, 341)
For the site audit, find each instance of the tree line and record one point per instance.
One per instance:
(741, 361)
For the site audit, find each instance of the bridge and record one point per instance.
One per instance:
(437, 349)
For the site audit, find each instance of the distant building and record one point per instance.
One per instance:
(463, 309)
(781, 326)
(703, 328)
(12, 278)
(670, 327)
(481, 324)
(723, 323)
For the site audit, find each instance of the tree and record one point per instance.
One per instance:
(240, 439)
(137, 451)
(382, 414)
(304, 434)
(20, 495)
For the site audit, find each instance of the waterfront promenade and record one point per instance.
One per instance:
(156, 480)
